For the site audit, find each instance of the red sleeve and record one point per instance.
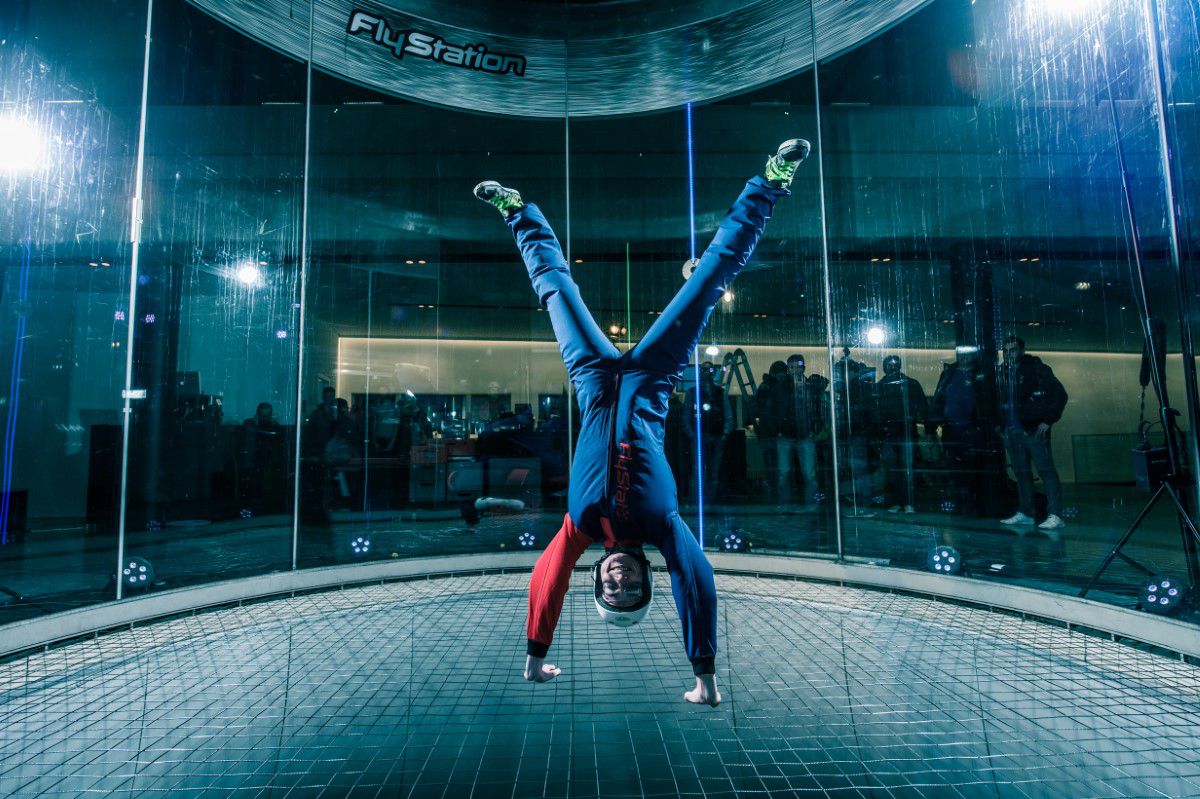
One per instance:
(548, 586)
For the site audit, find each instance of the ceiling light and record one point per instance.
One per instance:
(248, 274)
(712, 350)
(876, 336)
(1082, 285)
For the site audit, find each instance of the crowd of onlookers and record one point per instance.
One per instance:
(888, 443)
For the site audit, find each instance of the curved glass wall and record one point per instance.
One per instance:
(318, 348)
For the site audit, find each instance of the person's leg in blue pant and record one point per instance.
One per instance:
(667, 346)
(584, 347)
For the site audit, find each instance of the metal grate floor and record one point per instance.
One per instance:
(413, 689)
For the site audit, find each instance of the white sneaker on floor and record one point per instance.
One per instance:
(1016, 519)
(894, 509)
(909, 509)
(1052, 523)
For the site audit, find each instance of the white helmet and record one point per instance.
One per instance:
(626, 616)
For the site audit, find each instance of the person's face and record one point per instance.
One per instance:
(1012, 353)
(966, 360)
(265, 412)
(621, 580)
(796, 368)
(891, 368)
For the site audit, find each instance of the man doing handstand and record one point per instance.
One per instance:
(622, 492)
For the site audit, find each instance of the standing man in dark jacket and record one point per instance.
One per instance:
(902, 406)
(964, 409)
(1031, 400)
(791, 414)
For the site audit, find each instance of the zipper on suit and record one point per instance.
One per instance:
(612, 442)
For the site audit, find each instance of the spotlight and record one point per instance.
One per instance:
(876, 336)
(149, 318)
(22, 145)
(733, 542)
(728, 297)
(689, 266)
(1082, 285)
(246, 513)
(359, 546)
(527, 540)
(944, 560)
(118, 316)
(614, 329)
(281, 334)
(712, 350)
(248, 274)
(137, 572)
(949, 507)
(1162, 594)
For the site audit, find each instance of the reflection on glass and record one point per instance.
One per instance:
(434, 397)
(68, 128)
(986, 392)
(210, 448)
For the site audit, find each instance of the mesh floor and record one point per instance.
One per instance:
(413, 689)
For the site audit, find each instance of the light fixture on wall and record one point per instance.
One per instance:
(712, 350)
(1162, 594)
(734, 542)
(137, 572)
(945, 560)
(22, 145)
(359, 546)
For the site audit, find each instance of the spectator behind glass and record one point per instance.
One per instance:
(1031, 400)
(902, 406)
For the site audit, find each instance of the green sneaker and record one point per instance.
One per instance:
(781, 166)
(506, 200)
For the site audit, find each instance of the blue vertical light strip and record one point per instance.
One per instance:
(696, 349)
(14, 390)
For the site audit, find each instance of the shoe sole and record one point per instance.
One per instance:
(478, 191)
(793, 146)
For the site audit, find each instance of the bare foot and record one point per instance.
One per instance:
(537, 671)
(705, 692)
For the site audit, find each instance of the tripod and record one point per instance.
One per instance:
(1154, 333)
